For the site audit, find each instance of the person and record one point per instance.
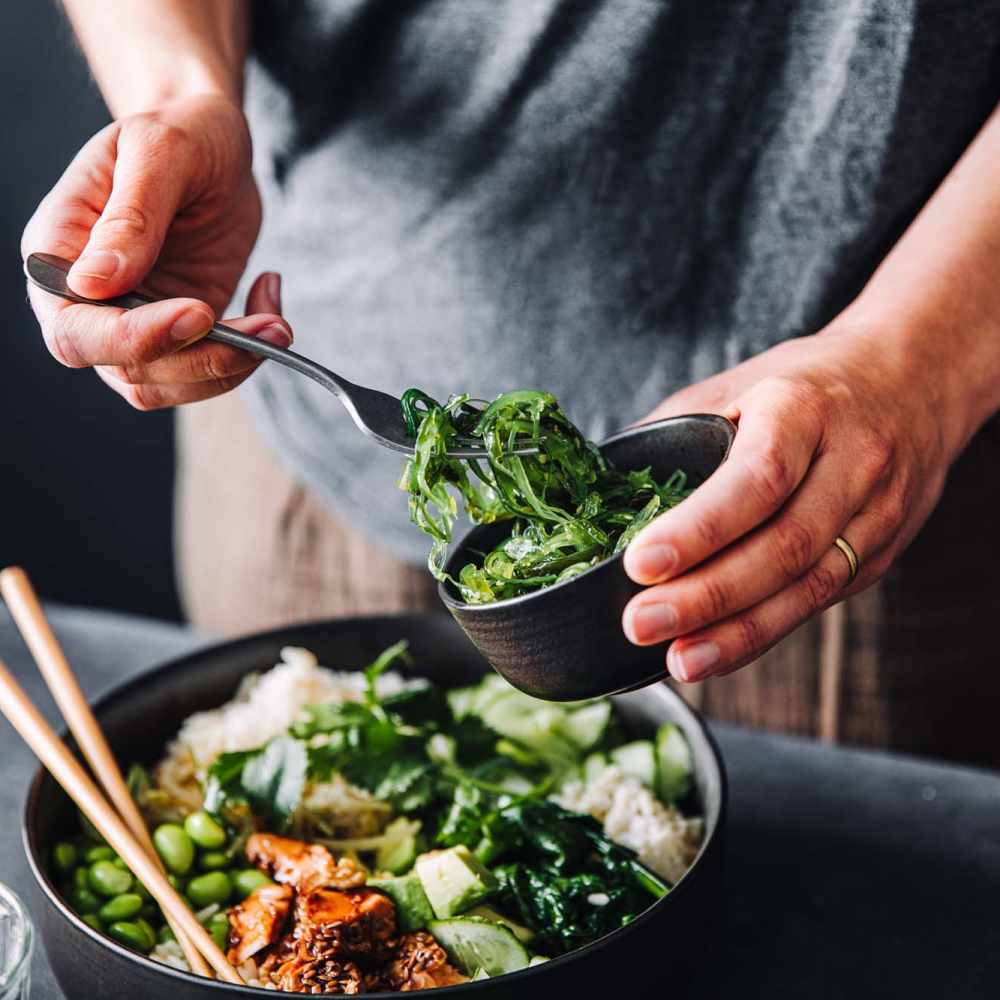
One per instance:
(788, 213)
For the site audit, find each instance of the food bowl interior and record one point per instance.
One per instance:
(142, 715)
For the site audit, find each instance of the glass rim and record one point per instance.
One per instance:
(10, 976)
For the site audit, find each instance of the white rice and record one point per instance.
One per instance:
(267, 704)
(634, 817)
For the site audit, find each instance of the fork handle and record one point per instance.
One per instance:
(48, 272)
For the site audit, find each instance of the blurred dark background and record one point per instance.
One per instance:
(86, 480)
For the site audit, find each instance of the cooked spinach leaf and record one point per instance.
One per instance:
(569, 508)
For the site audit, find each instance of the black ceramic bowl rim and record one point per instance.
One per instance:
(36, 856)
(445, 588)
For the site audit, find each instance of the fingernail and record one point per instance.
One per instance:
(651, 622)
(192, 324)
(653, 561)
(693, 662)
(272, 288)
(276, 334)
(99, 264)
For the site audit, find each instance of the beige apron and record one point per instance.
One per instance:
(911, 664)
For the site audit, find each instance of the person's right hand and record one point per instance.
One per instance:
(165, 201)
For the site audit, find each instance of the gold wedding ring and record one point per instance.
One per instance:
(850, 555)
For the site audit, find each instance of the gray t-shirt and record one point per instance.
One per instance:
(607, 199)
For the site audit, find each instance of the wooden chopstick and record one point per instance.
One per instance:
(26, 610)
(64, 767)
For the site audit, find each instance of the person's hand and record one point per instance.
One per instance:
(164, 201)
(837, 435)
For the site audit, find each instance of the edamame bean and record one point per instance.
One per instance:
(100, 853)
(90, 919)
(175, 847)
(151, 912)
(204, 830)
(218, 928)
(180, 884)
(84, 901)
(146, 929)
(122, 907)
(141, 890)
(108, 880)
(81, 877)
(165, 934)
(204, 890)
(130, 934)
(63, 857)
(247, 880)
(119, 863)
(213, 860)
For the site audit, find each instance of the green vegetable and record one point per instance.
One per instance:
(99, 853)
(81, 877)
(453, 880)
(204, 830)
(213, 860)
(175, 847)
(133, 935)
(84, 900)
(122, 907)
(637, 759)
(473, 943)
(569, 508)
(64, 857)
(165, 934)
(247, 880)
(218, 927)
(399, 851)
(413, 910)
(107, 879)
(674, 768)
(523, 934)
(91, 920)
(273, 779)
(214, 887)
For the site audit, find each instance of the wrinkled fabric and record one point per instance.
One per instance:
(607, 199)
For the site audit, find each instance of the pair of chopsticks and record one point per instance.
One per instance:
(125, 829)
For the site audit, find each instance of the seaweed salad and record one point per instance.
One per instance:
(569, 508)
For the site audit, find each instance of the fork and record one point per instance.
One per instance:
(375, 413)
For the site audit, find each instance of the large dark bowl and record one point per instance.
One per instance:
(565, 642)
(140, 716)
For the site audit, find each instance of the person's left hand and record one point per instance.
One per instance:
(838, 434)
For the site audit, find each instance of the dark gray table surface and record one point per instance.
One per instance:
(849, 873)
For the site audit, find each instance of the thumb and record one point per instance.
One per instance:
(146, 192)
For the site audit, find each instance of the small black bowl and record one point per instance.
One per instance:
(140, 716)
(565, 642)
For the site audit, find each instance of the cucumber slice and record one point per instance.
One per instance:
(593, 765)
(522, 933)
(673, 763)
(586, 726)
(460, 701)
(637, 759)
(536, 728)
(473, 943)
(399, 850)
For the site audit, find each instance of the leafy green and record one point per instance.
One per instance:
(569, 508)
(273, 780)
(561, 876)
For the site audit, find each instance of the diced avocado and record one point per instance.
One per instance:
(673, 763)
(413, 910)
(586, 726)
(473, 944)
(454, 880)
(637, 759)
(399, 850)
(593, 765)
(522, 933)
